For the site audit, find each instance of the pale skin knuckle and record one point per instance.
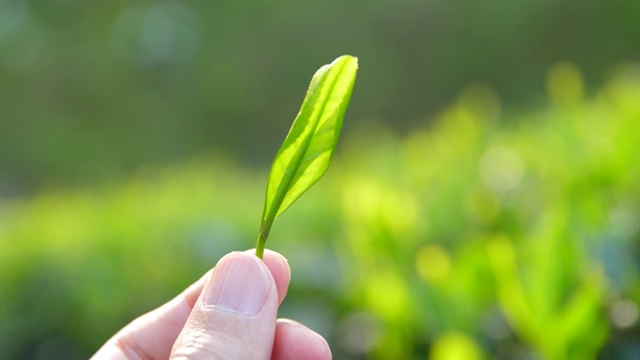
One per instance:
(200, 345)
(129, 350)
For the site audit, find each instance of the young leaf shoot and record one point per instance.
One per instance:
(307, 150)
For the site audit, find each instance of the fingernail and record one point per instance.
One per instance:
(239, 284)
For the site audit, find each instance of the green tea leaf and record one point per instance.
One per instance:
(307, 150)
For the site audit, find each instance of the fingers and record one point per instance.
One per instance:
(294, 341)
(152, 335)
(235, 316)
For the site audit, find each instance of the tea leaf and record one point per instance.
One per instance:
(307, 150)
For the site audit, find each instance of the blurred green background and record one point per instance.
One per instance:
(483, 204)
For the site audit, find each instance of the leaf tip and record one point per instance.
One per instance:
(346, 58)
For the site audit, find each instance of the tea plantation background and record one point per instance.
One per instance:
(484, 201)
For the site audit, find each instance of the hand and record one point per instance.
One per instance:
(230, 313)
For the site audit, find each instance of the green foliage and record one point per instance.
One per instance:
(307, 150)
(483, 235)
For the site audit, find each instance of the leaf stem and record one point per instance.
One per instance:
(262, 238)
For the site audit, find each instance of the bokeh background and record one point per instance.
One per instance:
(484, 202)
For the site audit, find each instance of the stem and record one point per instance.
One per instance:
(262, 238)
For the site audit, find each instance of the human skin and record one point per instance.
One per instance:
(230, 313)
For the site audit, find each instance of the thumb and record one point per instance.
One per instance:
(235, 316)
